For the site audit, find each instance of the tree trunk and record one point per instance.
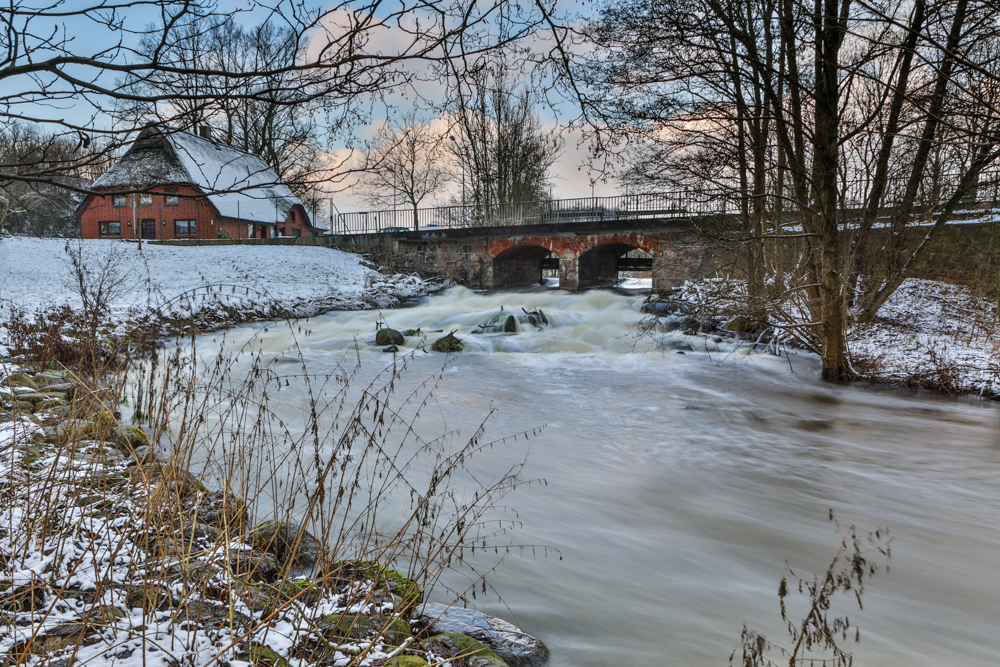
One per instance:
(829, 36)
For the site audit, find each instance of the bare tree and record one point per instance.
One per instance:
(502, 146)
(268, 113)
(344, 57)
(806, 113)
(408, 161)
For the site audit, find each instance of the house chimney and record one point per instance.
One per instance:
(205, 132)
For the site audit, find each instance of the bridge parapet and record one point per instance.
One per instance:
(649, 206)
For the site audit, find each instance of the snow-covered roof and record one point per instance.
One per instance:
(239, 185)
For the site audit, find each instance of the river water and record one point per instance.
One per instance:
(680, 485)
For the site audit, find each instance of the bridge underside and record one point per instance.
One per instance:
(597, 266)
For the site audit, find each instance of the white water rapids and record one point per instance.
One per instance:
(679, 485)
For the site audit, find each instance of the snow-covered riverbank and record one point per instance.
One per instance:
(930, 334)
(298, 280)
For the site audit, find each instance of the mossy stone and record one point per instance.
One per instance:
(260, 653)
(22, 380)
(395, 630)
(346, 626)
(406, 661)
(448, 344)
(387, 336)
(456, 644)
(134, 436)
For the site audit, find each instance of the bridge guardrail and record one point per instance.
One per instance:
(584, 209)
(662, 205)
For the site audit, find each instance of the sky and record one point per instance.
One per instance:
(570, 177)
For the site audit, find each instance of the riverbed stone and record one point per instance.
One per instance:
(387, 336)
(21, 380)
(406, 661)
(511, 644)
(216, 508)
(289, 541)
(454, 644)
(448, 344)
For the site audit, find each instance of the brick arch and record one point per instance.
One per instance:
(647, 244)
(497, 247)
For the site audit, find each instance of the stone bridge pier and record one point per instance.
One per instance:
(583, 259)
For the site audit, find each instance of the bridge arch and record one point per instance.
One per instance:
(522, 264)
(601, 263)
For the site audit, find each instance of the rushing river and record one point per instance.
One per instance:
(679, 485)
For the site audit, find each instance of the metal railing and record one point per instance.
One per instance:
(662, 205)
(585, 209)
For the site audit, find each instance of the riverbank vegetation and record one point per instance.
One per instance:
(932, 335)
(841, 139)
(163, 506)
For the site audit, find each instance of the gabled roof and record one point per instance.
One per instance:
(239, 185)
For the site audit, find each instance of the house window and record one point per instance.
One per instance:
(185, 228)
(109, 229)
(145, 200)
(119, 200)
(171, 198)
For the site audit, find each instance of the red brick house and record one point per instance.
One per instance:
(193, 188)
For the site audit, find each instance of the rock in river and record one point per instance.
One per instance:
(387, 336)
(448, 344)
(509, 642)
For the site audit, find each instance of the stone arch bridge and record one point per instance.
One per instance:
(585, 254)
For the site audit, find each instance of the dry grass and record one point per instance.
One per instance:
(308, 532)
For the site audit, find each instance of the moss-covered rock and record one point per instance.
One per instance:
(22, 380)
(387, 336)
(130, 437)
(358, 570)
(455, 644)
(289, 541)
(265, 655)
(394, 629)
(406, 661)
(342, 627)
(448, 344)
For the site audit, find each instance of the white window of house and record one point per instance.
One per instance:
(119, 200)
(171, 198)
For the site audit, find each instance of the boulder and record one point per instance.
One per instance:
(448, 344)
(454, 644)
(510, 643)
(413, 332)
(130, 437)
(387, 336)
(406, 661)
(254, 566)
(216, 508)
(288, 541)
(73, 429)
(22, 380)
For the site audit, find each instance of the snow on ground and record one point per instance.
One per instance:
(934, 333)
(34, 274)
(929, 333)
